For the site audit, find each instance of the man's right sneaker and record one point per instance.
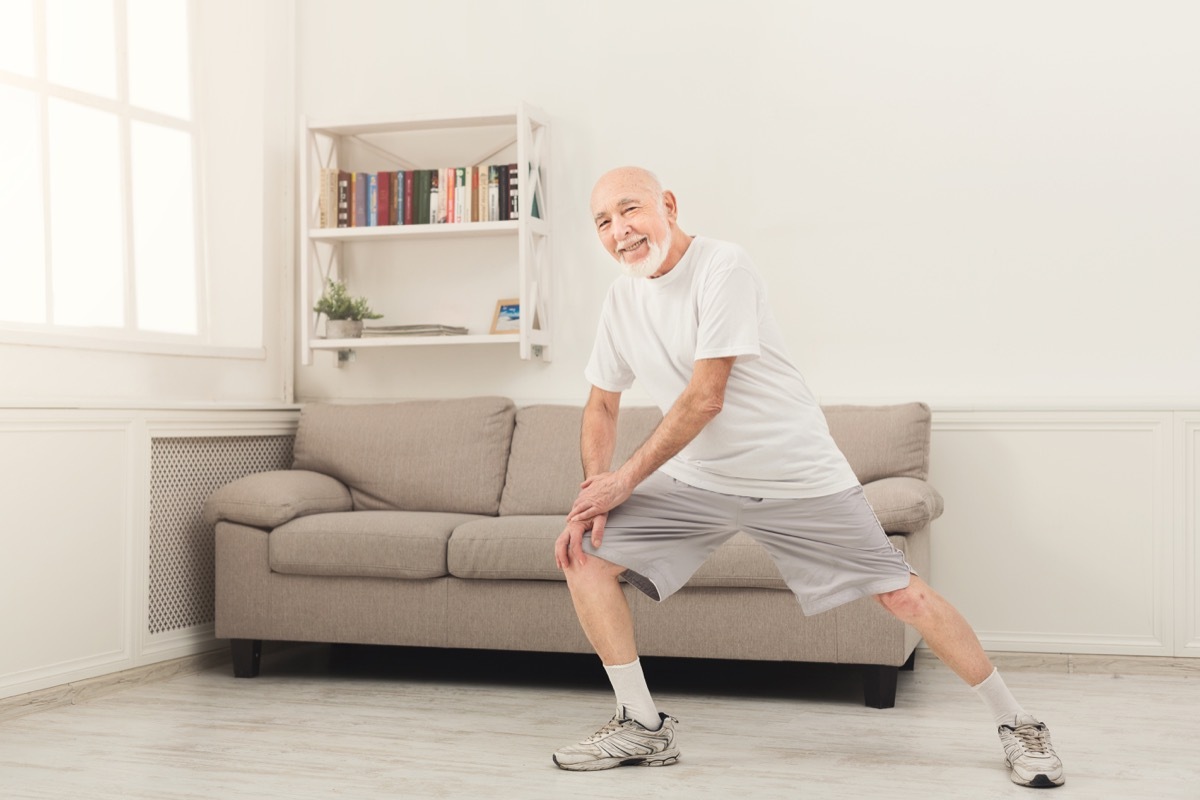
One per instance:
(622, 742)
(1029, 754)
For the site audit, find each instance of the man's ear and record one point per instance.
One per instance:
(669, 204)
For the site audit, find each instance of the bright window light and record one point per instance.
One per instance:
(164, 250)
(86, 253)
(80, 45)
(22, 260)
(16, 36)
(158, 56)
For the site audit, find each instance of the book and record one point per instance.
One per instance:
(397, 215)
(514, 197)
(360, 199)
(343, 199)
(493, 193)
(409, 177)
(476, 194)
(443, 194)
(429, 329)
(462, 199)
(435, 196)
(326, 199)
(383, 198)
(502, 193)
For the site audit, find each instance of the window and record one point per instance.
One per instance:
(98, 205)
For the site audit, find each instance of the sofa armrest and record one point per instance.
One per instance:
(269, 499)
(903, 505)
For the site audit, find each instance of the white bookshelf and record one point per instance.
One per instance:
(404, 144)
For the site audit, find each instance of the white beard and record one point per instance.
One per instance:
(655, 256)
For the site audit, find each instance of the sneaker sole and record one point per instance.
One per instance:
(663, 759)
(1038, 781)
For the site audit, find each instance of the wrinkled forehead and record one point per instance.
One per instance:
(620, 186)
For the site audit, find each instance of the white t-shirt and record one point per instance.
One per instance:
(770, 439)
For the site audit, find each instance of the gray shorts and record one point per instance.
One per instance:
(829, 550)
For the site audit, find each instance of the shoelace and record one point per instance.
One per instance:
(1034, 738)
(610, 726)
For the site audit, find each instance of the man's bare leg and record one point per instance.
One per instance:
(602, 609)
(1026, 741)
(941, 626)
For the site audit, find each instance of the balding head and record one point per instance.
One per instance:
(627, 180)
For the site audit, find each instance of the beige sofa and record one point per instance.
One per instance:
(431, 523)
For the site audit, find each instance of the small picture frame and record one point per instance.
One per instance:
(507, 317)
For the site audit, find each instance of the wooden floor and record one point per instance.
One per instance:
(400, 723)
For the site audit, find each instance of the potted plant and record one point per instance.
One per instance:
(344, 314)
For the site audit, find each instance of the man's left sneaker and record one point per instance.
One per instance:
(622, 742)
(1029, 754)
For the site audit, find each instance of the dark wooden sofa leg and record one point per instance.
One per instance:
(247, 653)
(911, 664)
(879, 685)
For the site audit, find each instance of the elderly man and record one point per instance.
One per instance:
(742, 445)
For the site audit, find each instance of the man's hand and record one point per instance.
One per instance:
(570, 541)
(598, 495)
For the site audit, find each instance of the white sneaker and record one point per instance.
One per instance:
(1029, 754)
(621, 743)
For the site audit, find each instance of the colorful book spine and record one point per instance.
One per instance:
(514, 196)
(409, 209)
(361, 197)
(383, 197)
(437, 207)
(502, 169)
(460, 195)
(493, 193)
(396, 215)
(343, 199)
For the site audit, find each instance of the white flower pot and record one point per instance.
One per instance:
(343, 328)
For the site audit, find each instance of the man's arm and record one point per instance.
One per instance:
(598, 434)
(597, 442)
(699, 403)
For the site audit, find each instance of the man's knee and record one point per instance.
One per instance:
(592, 569)
(908, 603)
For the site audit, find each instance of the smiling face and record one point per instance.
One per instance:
(635, 220)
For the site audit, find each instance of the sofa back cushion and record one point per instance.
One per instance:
(882, 441)
(545, 467)
(423, 455)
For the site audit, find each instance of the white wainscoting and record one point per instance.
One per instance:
(74, 489)
(1188, 525)
(1066, 531)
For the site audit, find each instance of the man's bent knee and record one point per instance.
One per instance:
(592, 567)
(906, 604)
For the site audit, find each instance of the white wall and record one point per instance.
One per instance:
(987, 206)
(948, 200)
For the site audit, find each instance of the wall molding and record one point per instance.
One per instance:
(1187, 549)
(1162, 428)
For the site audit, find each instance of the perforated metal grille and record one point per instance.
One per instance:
(183, 473)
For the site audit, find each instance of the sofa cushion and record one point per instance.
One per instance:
(426, 455)
(373, 544)
(545, 467)
(269, 499)
(882, 441)
(903, 505)
(518, 547)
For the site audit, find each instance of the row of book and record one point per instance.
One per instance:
(486, 193)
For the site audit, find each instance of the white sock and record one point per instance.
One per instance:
(633, 695)
(1004, 707)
